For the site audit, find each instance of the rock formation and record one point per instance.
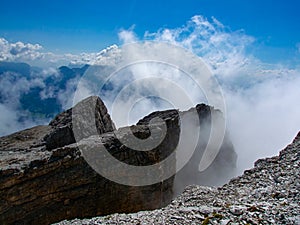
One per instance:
(269, 193)
(44, 177)
(223, 166)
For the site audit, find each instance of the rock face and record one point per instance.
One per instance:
(89, 112)
(269, 193)
(223, 166)
(44, 177)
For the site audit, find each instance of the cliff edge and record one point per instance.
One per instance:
(45, 178)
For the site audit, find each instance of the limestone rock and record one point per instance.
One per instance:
(222, 167)
(45, 177)
(89, 113)
(269, 193)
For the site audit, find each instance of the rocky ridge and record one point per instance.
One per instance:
(269, 193)
(44, 177)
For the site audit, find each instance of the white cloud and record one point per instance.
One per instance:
(222, 49)
(9, 120)
(19, 51)
(263, 114)
(34, 54)
(127, 36)
(264, 117)
(20, 48)
(105, 57)
(217, 22)
(66, 97)
(261, 99)
(12, 87)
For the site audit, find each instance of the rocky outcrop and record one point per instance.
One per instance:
(91, 112)
(223, 166)
(269, 193)
(45, 176)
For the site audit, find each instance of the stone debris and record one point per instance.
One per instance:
(265, 194)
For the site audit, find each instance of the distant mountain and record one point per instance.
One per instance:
(34, 93)
(21, 68)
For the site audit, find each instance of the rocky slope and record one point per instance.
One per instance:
(45, 178)
(267, 194)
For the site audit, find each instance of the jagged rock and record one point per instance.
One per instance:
(42, 182)
(252, 198)
(89, 112)
(223, 166)
(45, 176)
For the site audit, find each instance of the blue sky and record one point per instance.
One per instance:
(77, 26)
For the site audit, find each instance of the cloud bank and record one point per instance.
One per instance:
(34, 55)
(261, 98)
(19, 51)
